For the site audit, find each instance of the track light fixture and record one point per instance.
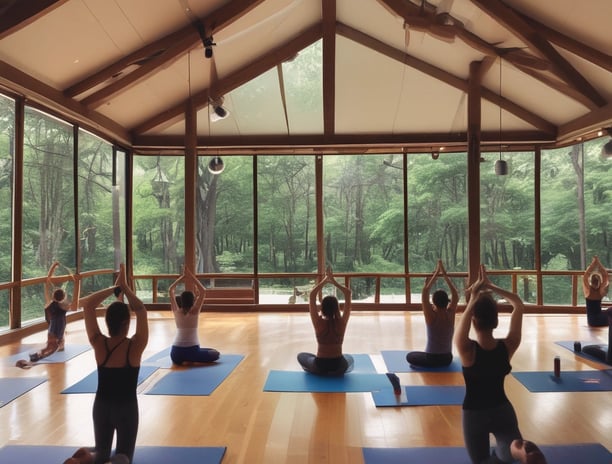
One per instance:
(216, 166)
(207, 40)
(218, 111)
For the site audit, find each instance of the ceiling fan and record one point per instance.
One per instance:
(439, 24)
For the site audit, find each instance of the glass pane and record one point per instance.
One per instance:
(507, 218)
(437, 212)
(363, 205)
(224, 221)
(285, 291)
(598, 201)
(287, 239)
(48, 195)
(561, 187)
(96, 214)
(158, 215)
(7, 151)
(303, 81)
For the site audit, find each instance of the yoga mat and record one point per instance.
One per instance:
(300, 381)
(421, 395)
(14, 387)
(89, 384)
(591, 453)
(199, 380)
(570, 346)
(142, 455)
(160, 359)
(395, 360)
(70, 351)
(569, 381)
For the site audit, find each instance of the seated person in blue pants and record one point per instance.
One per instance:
(186, 309)
(329, 324)
(440, 322)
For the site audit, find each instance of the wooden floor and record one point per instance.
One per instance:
(265, 427)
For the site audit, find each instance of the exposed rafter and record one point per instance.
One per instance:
(236, 79)
(157, 55)
(505, 15)
(17, 14)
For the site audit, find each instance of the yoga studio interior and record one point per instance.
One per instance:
(260, 144)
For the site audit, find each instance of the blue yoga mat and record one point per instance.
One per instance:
(300, 381)
(160, 359)
(196, 380)
(395, 360)
(581, 354)
(591, 453)
(89, 384)
(421, 395)
(70, 351)
(569, 381)
(142, 455)
(14, 387)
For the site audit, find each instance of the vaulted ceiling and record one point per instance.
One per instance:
(314, 73)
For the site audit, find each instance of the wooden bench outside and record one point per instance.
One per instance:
(229, 295)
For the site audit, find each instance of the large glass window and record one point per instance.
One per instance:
(576, 205)
(7, 151)
(224, 224)
(437, 212)
(158, 212)
(363, 210)
(507, 213)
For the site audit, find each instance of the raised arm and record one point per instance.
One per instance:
(312, 302)
(141, 336)
(428, 310)
(89, 305)
(172, 294)
(346, 311)
(513, 339)
(198, 290)
(464, 345)
(451, 286)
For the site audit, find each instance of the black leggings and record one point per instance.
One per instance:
(108, 417)
(501, 421)
(423, 359)
(326, 366)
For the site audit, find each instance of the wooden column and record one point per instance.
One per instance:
(191, 170)
(473, 168)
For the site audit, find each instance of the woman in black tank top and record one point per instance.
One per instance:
(115, 409)
(486, 363)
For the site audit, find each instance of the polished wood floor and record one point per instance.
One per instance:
(265, 427)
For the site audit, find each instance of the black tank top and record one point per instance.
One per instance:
(484, 380)
(117, 384)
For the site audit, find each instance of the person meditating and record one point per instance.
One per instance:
(186, 309)
(595, 283)
(330, 325)
(440, 322)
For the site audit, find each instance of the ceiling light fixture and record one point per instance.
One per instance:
(501, 166)
(216, 165)
(218, 111)
(207, 40)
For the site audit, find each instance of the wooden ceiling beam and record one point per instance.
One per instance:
(329, 66)
(443, 76)
(17, 14)
(243, 75)
(570, 44)
(158, 54)
(510, 19)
